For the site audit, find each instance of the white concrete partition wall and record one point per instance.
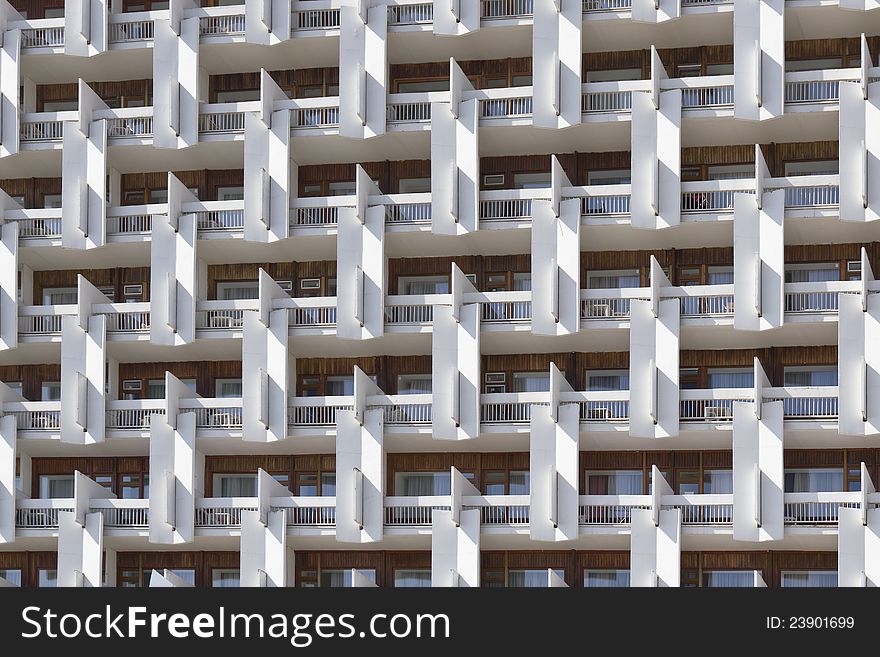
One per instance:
(556, 263)
(758, 483)
(758, 59)
(360, 476)
(553, 462)
(167, 579)
(556, 63)
(264, 537)
(759, 261)
(455, 159)
(173, 464)
(85, 27)
(173, 270)
(860, 150)
(360, 257)
(455, 364)
(84, 175)
(81, 536)
(655, 540)
(176, 67)
(10, 80)
(8, 278)
(264, 362)
(858, 539)
(655, 11)
(454, 17)
(455, 549)
(83, 371)
(267, 167)
(363, 46)
(858, 362)
(266, 22)
(656, 153)
(653, 363)
(8, 454)
(859, 5)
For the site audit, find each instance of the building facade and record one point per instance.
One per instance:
(454, 293)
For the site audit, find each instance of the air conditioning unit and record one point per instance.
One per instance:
(310, 284)
(716, 412)
(496, 388)
(287, 286)
(133, 290)
(599, 413)
(496, 377)
(493, 180)
(601, 310)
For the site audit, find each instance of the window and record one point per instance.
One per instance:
(60, 105)
(531, 381)
(719, 69)
(422, 86)
(605, 380)
(414, 185)
(805, 578)
(230, 193)
(238, 96)
(614, 75)
(537, 180)
(235, 485)
(609, 177)
(58, 295)
(613, 279)
(412, 578)
(521, 81)
(812, 168)
(338, 386)
(720, 275)
(688, 482)
(825, 375)
(343, 188)
(47, 578)
(689, 70)
(812, 272)
(11, 575)
(414, 384)
(731, 377)
(228, 388)
(341, 577)
(614, 482)
(813, 64)
(532, 578)
(731, 171)
(813, 480)
(422, 483)
(423, 284)
(606, 578)
(728, 578)
(231, 290)
(52, 201)
(130, 487)
(717, 482)
(188, 575)
(225, 578)
(15, 386)
(522, 281)
(50, 391)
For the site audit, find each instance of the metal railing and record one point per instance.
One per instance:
(141, 30)
(310, 512)
(48, 130)
(606, 5)
(218, 417)
(130, 126)
(709, 408)
(710, 201)
(315, 117)
(408, 213)
(605, 308)
(605, 205)
(707, 306)
(228, 25)
(817, 508)
(37, 228)
(220, 517)
(507, 412)
(412, 14)
(42, 37)
(313, 316)
(123, 514)
(411, 313)
(309, 412)
(506, 108)
(408, 112)
(707, 97)
(221, 122)
(322, 216)
(137, 419)
(604, 411)
(232, 219)
(811, 302)
(813, 196)
(702, 509)
(506, 8)
(41, 416)
(812, 91)
(595, 102)
(39, 324)
(610, 509)
(407, 413)
(220, 319)
(805, 402)
(130, 224)
(413, 511)
(501, 510)
(40, 514)
(506, 311)
(315, 19)
(506, 209)
(125, 321)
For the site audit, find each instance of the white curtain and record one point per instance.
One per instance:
(233, 292)
(816, 275)
(718, 482)
(225, 578)
(13, 576)
(615, 482)
(811, 378)
(520, 482)
(412, 578)
(729, 578)
(606, 382)
(56, 486)
(422, 483)
(531, 381)
(814, 480)
(238, 486)
(605, 579)
(731, 379)
(338, 386)
(229, 389)
(818, 578)
(530, 579)
(613, 281)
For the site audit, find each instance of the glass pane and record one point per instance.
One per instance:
(825, 578)
(606, 380)
(614, 482)
(729, 578)
(414, 384)
(813, 480)
(156, 389)
(606, 578)
(729, 377)
(531, 578)
(688, 482)
(341, 577)
(238, 290)
(531, 180)
(422, 483)
(56, 486)
(423, 284)
(421, 86)
(328, 484)
(225, 577)
(717, 482)
(531, 381)
(614, 75)
(11, 575)
(337, 386)
(519, 482)
(47, 578)
(186, 574)
(308, 484)
(412, 578)
(813, 272)
(613, 279)
(228, 388)
(234, 485)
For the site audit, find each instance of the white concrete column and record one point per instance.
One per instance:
(360, 257)
(8, 453)
(264, 537)
(455, 159)
(454, 17)
(455, 549)
(10, 81)
(455, 364)
(173, 270)
(758, 483)
(81, 536)
(266, 22)
(84, 175)
(363, 70)
(860, 146)
(758, 58)
(858, 359)
(167, 579)
(176, 76)
(553, 463)
(267, 167)
(85, 27)
(759, 261)
(656, 153)
(858, 539)
(556, 63)
(654, 362)
(264, 366)
(360, 477)
(173, 468)
(655, 11)
(8, 280)
(655, 540)
(83, 358)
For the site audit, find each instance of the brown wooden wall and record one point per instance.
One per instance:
(91, 466)
(205, 181)
(295, 83)
(29, 563)
(386, 173)
(204, 372)
(385, 368)
(467, 462)
(478, 71)
(31, 377)
(202, 562)
(116, 278)
(32, 189)
(273, 464)
(279, 271)
(114, 93)
(36, 8)
(310, 563)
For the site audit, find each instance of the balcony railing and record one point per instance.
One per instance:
(121, 127)
(318, 18)
(707, 301)
(713, 405)
(506, 8)
(44, 126)
(222, 21)
(702, 509)
(817, 191)
(610, 303)
(704, 92)
(501, 510)
(408, 310)
(602, 200)
(42, 320)
(510, 407)
(40, 514)
(713, 195)
(35, 416)
(407, 208)
(817, 86)
(405, 409)
(610, 509)
(220, 216)
(131, 27)
(219, 413)
(220, 315)
(222, 118)
(222, 512)
(314, 312)
(805, 402)
(317, 411)
(506, 307)
(315, 113)
(123, 513)
(42, 33)
(127, 317)
(605, 97)
(409, 108)
(413, 511)
(132, 220)
(418, 13)
(606, 5)
(307, 511)
(132, 414)
(817, 508)
(512, 103)
(604, 406)
(509, 204)
(37, 223)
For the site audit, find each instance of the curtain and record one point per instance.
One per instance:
(13, 576)
(341, 578)
(615, 482)
(821, 273)
(814, 480)
(717, 482)
(531, 381)
(818, 578)
(422, 483)
(414, 385)
(221, 579)
(613, 281)
(604, 579)
(412, 578)
(426, 285)
(522, 282)
(234, 292)
(729, 578)
(229, 389)
(606, 382)
(731, 379)
(238, 486)
(721, 277)
(155, 389)
(520, 482)
(48, 578)
(56, 486)
(338, 386)
(810, 378)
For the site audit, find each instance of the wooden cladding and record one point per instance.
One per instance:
(310, 564)
(385, 368)
(285, 467)
(109, 471)
(672, 463)
(135, 568)
(295, 272)
(117, 279)
(29, 564)
(482, 73)
(31, 378)
(117, 93)
(479, 265)
(316, 179)
(299, 83)
(140, 188)
(205, 373)
(32, 9)
(466, 462)
(32, 192)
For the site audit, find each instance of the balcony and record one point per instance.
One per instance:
(411, 13)
(313, 16)
(132, 414)
(306, 512)
(817, 509)
(222, 512)
(42, 416)
(221, 21)
(34, 224)
(132, 27)
(616, 510)
(123, 513)
(500, 9)
(499, 511)
(40, 514)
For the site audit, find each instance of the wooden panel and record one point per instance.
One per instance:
(247, 271)
(29, 563)
(785, 560)
(89, 466)
(116, 278)
(443, 461)
(205, 373)
(31, 377)
(800, 458)
(602, 559)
